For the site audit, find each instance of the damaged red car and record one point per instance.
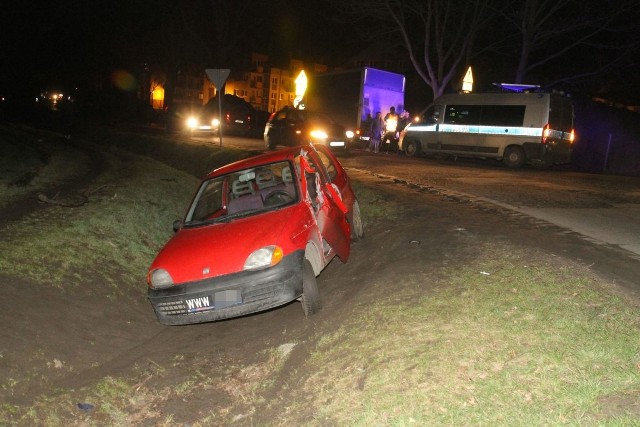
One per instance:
(256, 235)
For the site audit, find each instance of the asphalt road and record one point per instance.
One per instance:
(605, 209)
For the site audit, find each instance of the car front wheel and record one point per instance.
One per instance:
(310, 295)
(357, 228)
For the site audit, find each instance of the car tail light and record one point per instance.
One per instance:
(545, 133)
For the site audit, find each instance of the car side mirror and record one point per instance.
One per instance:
(177, 225)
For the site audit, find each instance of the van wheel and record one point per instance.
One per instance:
(513, 156)
(310, 295)
(412, 148)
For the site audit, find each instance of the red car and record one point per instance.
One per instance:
(256, 235)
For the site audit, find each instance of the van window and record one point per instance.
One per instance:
(462, 114)
(502, 115)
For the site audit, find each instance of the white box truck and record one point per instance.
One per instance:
(349, 96)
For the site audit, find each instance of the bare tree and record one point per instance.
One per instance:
(439, 35)
(557, 33)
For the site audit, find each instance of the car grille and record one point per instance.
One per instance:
(172, 308)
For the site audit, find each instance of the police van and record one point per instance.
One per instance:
(517, 128)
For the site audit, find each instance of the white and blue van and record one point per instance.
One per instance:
(517, 128)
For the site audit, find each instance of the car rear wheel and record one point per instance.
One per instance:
(310, 295)
(357, 228)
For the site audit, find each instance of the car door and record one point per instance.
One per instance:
(329, 209)
(335, 173)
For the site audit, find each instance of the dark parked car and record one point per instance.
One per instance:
(238, 116)
(292, 127)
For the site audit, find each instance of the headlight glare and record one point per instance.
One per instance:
(192, 122)
(319, 134)
(160, 278)
(349, 134)
(264, 257)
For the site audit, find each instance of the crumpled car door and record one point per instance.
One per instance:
(329, 209)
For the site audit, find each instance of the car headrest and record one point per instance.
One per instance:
(239, 188)
(265, 178)
(286, 174)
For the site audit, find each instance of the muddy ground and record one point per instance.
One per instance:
(71, 340)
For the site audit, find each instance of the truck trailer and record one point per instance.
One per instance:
(350, 96)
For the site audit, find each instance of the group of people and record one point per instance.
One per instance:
(384, 130)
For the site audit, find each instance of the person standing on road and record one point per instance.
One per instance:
(377, 125)
(391, 127)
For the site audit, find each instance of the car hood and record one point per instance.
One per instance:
(214, 250)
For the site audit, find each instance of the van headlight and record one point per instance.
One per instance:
(160, 278)
(267, 256)
(349, 134)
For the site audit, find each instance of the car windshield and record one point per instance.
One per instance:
(317, 118)
(243, 193)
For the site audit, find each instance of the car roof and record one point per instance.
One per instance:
(261, 159)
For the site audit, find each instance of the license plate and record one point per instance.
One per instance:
(227, 298)
(337, 143)
(199, 304)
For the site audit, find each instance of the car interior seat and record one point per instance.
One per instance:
(265, 178)
(239, 188)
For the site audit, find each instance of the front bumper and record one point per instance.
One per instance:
(208, 300)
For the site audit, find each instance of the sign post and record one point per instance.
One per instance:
(218, 76)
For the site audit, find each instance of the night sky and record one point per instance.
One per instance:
(69, 43)
(60, 43)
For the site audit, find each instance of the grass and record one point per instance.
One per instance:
(31, 162)
(531, 343)
(513, 337)
(124, 221)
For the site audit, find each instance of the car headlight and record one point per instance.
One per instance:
(349, 134)
(160, 278)
(319, 134)
(192, 122)
(215, 123)
(264, 257)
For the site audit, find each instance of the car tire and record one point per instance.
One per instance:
(411, 148)
(357, 227)
(514, 157)
(310, 300)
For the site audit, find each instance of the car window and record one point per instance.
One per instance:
(318, 167)
(243, 193)
(328, 163)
